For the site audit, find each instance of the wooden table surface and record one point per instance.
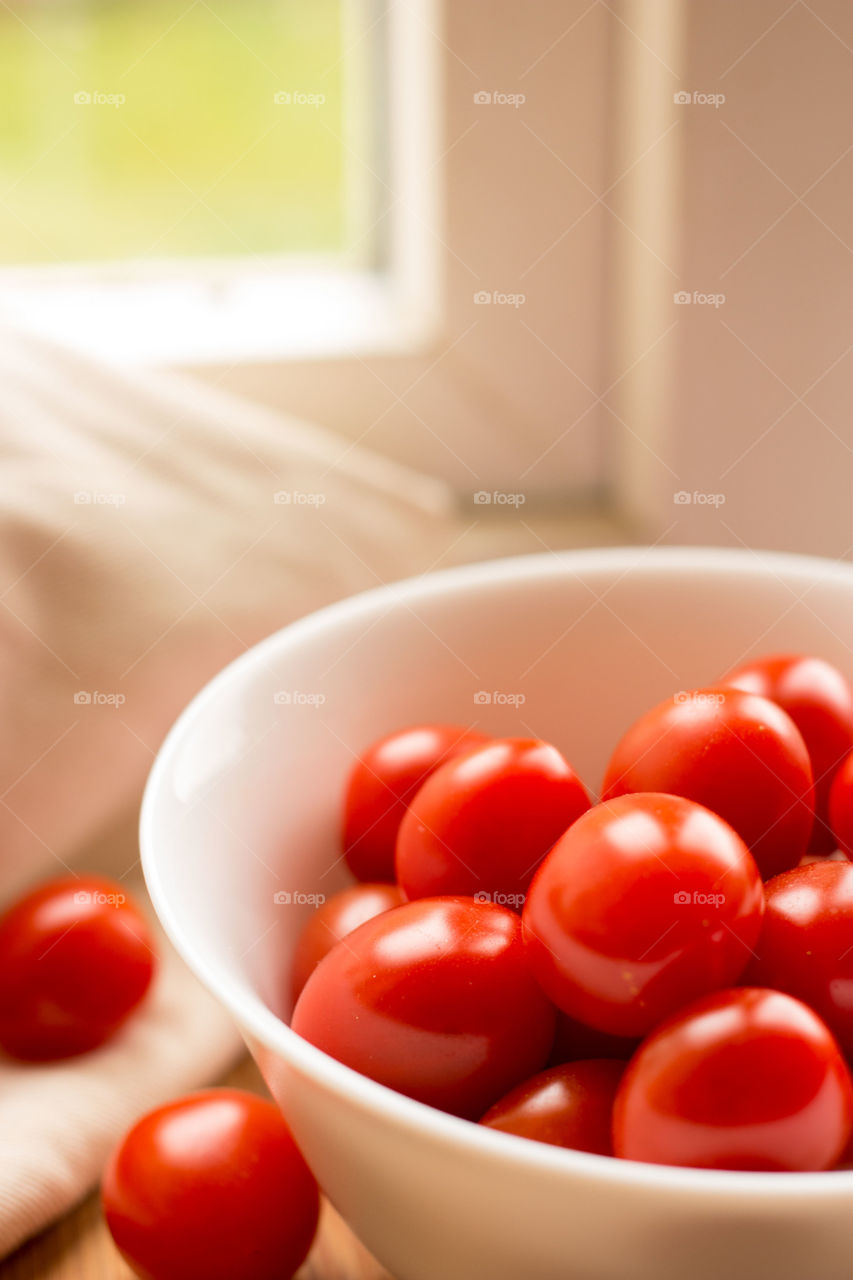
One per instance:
(80, 1248)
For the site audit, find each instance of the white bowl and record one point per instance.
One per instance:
(242, 805)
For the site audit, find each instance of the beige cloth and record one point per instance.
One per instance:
(150, 530)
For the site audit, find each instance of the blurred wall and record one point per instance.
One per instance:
(747, 419)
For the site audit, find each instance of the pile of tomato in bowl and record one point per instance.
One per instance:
(665, 976)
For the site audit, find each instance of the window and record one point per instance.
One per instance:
(211, 183)
(444, 300)
(146, 130)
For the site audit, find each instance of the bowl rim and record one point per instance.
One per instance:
(256, 1019)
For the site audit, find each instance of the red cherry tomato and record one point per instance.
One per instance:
(645, 903)
(736, 753)
(383, 781)
(212, 1185)
(76, 957)
(806, 942)
(841, 806)
(434, 999)
(742, 1079)
(484, 821)
(819, 700)
(573, 1041)
(333, 920)
(566, 1106)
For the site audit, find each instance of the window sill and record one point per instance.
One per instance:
(214, 315)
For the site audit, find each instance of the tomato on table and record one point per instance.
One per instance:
(566, 1106)
(434, 999)
(742, 1079)
(211, 1185)
(333, 920)
(819, 700)
(806, 942)
(77, 957)
(736, 753)
(383, 781)
(483, 822)
(647, 902)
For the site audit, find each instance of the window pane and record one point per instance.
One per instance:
(146, 129)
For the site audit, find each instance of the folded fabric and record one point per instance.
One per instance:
(150, 530)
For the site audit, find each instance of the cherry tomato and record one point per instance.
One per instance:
(434, 999)
(806, 942)
(742, 1079)
(383, 781)
(841, 806)
(573, 1041)
(76, 957)
(566, 1106)
(484, 821)
(736, 753)
(645, 903)
(333, 920)
(212, 1185)
(819, 700)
